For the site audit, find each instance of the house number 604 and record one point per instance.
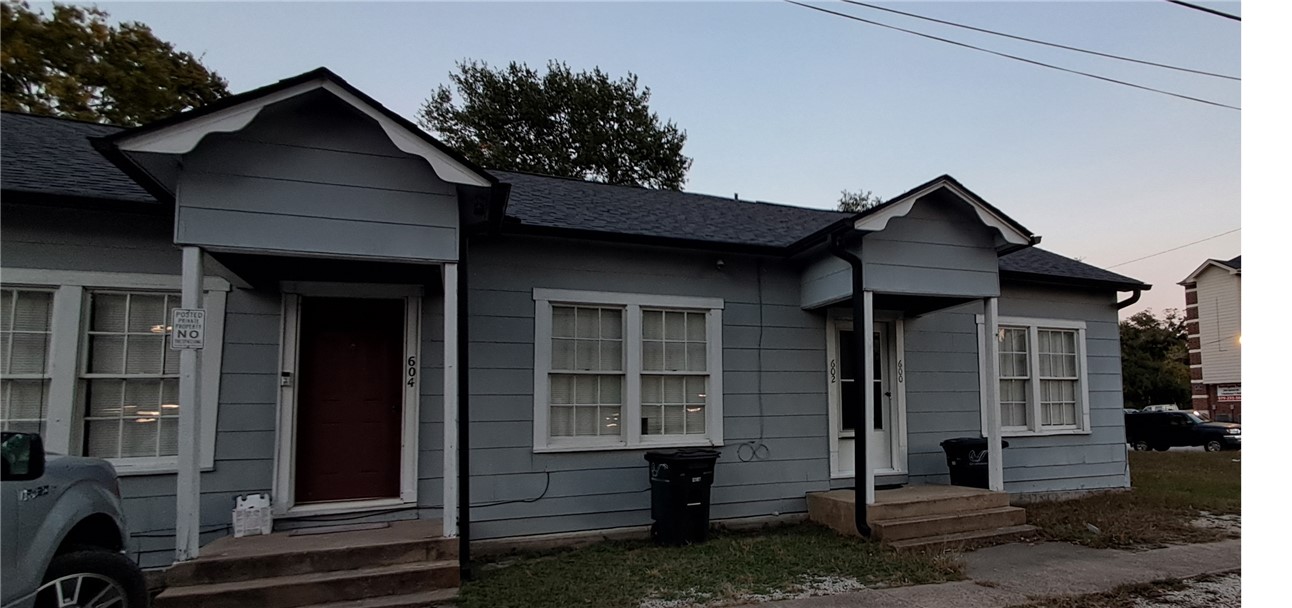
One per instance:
(412, 370)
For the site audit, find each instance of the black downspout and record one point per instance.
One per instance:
(859, 336)
(464, 417)
(1134, 297)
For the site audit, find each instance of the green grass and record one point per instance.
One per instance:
(731, 565)
(1169, 491)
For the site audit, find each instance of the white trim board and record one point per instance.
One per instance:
(1083, 392)
(877, 221)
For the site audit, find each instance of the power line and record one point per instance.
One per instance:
(1016, 57)
(1042, 42)
(1153, 255)
(1205, 10)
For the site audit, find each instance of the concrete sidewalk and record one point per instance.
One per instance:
(1018, 572)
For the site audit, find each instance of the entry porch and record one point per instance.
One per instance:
(925, 516)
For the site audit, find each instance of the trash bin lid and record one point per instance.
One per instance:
(969, 443)
(686, 455)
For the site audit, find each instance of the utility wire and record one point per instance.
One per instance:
(1042, 42)
(1206, 10)
(1015, 57)
(1153, 255)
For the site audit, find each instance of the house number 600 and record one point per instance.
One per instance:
(412, 370)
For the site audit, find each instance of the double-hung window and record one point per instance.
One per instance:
(1041, 372)
(25, 369)
(85, 360)
(615, 370)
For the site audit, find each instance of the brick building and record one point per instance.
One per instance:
(1213, 320)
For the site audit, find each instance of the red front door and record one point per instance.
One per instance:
(350, 402)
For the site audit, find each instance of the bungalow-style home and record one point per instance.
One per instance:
(1213, 320)
(392, 333)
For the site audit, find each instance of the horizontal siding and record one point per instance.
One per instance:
(311, 176)
(1220, 323)
(773, 355)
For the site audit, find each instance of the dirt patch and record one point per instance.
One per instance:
(1216, 592)
(1231, 524)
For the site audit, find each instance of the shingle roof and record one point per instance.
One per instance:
(557, 202)
(1034, 261)
(1236, 263)
(53, 156)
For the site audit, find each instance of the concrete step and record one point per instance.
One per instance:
(966, 540)
(903, 528)
(315, 588)
(288, 558)
(936, 500)
(425, 599)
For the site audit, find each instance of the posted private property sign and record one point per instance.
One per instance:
(188, 328)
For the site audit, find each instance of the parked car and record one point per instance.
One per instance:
(1163, 407)
(1162, 431)
(64, 535)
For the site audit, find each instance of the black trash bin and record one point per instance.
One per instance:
(679, 499)
(967, 459)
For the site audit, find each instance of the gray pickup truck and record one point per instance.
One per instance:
(64, 533)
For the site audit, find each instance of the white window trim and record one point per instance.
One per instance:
(631, 438)
(63, 429)
(1034, 428)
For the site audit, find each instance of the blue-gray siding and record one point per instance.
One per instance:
(939, 248)
(315, 177)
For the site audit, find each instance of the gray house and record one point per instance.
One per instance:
(392, 332)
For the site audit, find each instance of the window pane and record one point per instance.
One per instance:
(109, 312)
(169, 430)
(104, 398)
(562, 389)
(142, 398)
(696, 356)
(652, 355)
(675, 356)
(562, 354)
(612, 355)
(144, 354)
(24, 402)
(611, 390)
(610, 421)
(652, 325)
(586, 356)
(585, 389)
(695, 327)
(696, 390)
(6, 309)
(562, 322)
(107, 355)
(562, 421)
(32, 311)
(585, 421)
(849, 407)
(652, 420)
(846, 358)
(673, 419)
(102, 438)
(587, 322)
(674, 389)
(171, 356)
(29, 353)
(139, 436)
(695, 420)
(652, 389)
(674, 325)
(612, 323)
(147, 313)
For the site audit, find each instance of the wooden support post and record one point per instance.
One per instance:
(991, 390)
(188, 515)
(450, 516)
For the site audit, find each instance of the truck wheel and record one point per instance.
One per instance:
(1214, 446)
(1162, 447)
(1141, 446)
(93, 578)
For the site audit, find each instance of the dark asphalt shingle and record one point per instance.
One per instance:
(557, 202)
(53, 156)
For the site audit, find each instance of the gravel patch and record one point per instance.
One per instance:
(1216, 592)
(820, 585)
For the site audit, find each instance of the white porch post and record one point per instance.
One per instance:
(991, 392)
(450, 517)
(866, 329)
(188, 517)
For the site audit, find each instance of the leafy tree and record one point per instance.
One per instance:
(583, 125)
(1155, 359)
(860, 200)
(73, 63)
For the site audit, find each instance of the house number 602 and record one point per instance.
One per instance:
(412, 370)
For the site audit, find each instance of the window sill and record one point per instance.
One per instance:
(149, 466)
(1045, 433)
(646, 445)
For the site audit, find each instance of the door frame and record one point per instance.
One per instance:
(835, 318)
(284, 486)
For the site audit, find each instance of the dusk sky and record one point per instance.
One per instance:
(786, 104)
